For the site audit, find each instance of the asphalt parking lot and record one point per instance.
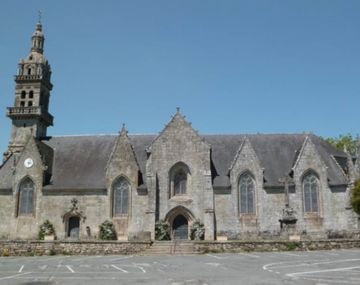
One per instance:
(312, 267)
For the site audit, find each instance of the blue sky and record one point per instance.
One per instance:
(232, 66)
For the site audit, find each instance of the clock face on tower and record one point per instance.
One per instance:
(28, 162)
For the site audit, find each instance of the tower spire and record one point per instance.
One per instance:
(30, 112)
(37, 40)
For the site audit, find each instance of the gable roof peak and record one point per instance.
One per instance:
(123, 131)
(178, 114)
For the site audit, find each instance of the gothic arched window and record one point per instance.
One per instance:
(311, 193)
(179, 175)
(26, 197)
(121, 189)
(246, 194)
(180, 179)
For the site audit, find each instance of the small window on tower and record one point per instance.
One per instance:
(30, 57)
(29, 103)
(23, 95)
(22, 103)
(29, 71)
(31, 94)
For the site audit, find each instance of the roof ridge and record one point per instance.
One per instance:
(84, 135)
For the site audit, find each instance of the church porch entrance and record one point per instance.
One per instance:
(180, 220)
(180, 228)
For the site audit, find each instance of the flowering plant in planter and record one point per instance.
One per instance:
(46, 230)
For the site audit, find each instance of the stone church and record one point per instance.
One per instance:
(238, 186)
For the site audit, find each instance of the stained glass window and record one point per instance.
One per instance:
(26, 197)
(121, 197)
(247, 194)
(311, 189)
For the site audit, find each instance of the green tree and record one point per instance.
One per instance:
(355, 197)
(342, 142)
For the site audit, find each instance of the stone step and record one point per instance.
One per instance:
(171, 247)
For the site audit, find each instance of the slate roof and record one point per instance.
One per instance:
(277, 154)
(6, 174)
(80, 161)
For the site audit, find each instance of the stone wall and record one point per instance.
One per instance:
(30, 248)
(240, 246)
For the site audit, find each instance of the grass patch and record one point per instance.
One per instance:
(292, 245)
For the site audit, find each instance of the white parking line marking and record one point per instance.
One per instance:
(213, 264)
(86, 258)
(250, 255)
(321, 271)
(332, 281)
(43, 267)
(118, 268)
(161, 264)
(336, 261)
(290, 254)
(297, 263)
(303, 263)
(13, 276)
(122, 258)
(87, 278)
(21, 268)
(214, 256)
(69, 267)
(139, 265)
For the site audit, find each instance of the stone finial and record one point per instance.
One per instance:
(123, 130)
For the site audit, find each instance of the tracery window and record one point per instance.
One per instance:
(179, 179)
(311, 193)
(121, 189)
(246, 194)
(26, 197)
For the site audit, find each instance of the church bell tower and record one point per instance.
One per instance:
(30, 113)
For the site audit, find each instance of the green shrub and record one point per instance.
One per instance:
(107, 231)
(355, 197)
(162, 230)
(197, 231)
(292, 245)
(5, 252)
(46, 229)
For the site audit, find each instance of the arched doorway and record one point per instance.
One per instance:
(73, 227)
(180, 227)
